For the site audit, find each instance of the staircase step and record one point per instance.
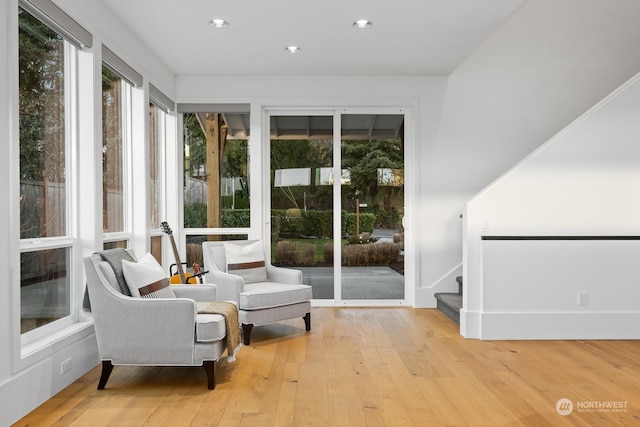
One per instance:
(450, 304)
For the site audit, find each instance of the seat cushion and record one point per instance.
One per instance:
(262, 295)
(246, 261)
(210, 327)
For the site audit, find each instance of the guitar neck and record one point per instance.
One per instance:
(177, 257)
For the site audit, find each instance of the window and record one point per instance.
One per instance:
(113, 146)
(118, 81)
(216, 191)
(44, 109)
(156, 187)
(155, 135)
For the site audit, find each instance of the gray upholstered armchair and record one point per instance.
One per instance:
(155, 332)
(264, 293)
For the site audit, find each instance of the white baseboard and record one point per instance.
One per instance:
(550, 326)
(34, 385)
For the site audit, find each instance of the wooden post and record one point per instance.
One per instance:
(357, 217)
(212, 133)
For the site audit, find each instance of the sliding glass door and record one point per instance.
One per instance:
(372, 158)
(337, 201)
(302, 204)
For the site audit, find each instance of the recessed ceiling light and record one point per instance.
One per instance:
(292, 49)
(362, 23)
(218, 23)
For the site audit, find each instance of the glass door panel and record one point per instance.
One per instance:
(301, 174)
(372, 156)
(216, 179)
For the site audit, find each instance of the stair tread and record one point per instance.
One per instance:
(453, 300)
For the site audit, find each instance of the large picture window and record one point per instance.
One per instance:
(44, 181)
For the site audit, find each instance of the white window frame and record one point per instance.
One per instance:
(336, 112)
(34, 338)
(249, 232)
(161, 141)
(127, 136)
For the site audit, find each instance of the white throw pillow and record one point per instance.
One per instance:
(146, 278)
(246, 261)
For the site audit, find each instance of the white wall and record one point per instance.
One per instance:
(582, 182)
(28, 380)
(548, 64)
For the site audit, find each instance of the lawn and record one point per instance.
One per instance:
(319, 244)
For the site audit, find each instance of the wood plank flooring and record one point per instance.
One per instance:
(368, 367)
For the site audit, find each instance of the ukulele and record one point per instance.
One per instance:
(197, 272)
(181, 277)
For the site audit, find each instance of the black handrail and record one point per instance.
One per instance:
(560, 237)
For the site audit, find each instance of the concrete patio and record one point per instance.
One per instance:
(358, 283)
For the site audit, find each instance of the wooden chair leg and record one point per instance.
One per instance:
(307, 321)
(210, 368)
(246, 332)
(107, 367)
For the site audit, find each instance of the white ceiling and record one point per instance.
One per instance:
(408, 37)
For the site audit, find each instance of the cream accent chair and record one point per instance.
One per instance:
(281, 297)
(155, 332)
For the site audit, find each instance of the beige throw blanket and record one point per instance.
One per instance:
(230, 312)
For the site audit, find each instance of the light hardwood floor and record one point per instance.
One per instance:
(368, 367)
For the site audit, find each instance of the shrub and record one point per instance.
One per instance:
(370, 254)
(307, 254)
(295, 253)
(367, 220)
(384, 253)
(236, 218)
(355, 255)
(317, 223)
(194, 254)
(195, 215)
(388, 219)
(360, 239)
(399, 238)
(290, 222)
(275, 228)
(327, 253)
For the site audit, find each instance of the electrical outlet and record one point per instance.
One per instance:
(65, 366)
(583, 299)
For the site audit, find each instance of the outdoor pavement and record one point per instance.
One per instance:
(358, 283)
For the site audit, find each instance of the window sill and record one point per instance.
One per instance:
(38, 350)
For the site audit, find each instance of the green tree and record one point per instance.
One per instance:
(196, 140)
(235, 162)
(363, 158)
(301, 153)
(42, 133)
(41, 100)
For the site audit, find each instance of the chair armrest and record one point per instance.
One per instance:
(229, 286)
(196, 292)
(146, 331)
(284, 275)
